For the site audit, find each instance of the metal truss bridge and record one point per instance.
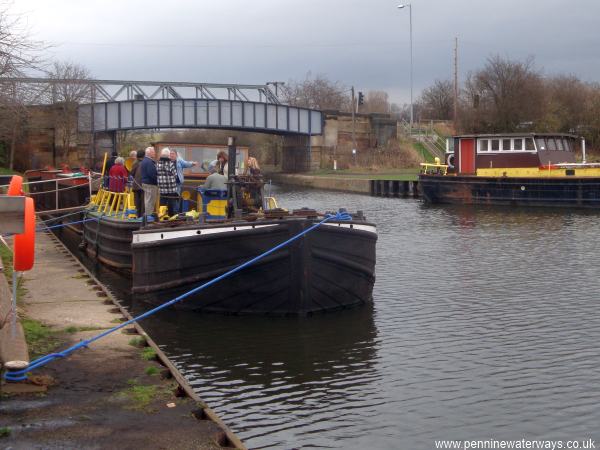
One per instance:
(116, 90)
(114, 105)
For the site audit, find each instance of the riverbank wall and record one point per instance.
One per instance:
(121, 392)
(374, 187)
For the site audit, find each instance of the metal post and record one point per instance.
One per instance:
(455, 82)
(56, 193)
(411, 67)
(353, 123)
(411, 62)
(13, 330)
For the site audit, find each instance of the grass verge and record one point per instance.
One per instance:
(140, 397)
(40, 338)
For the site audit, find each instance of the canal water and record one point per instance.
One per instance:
(485, 325)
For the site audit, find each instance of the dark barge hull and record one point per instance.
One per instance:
(331, 268)
(473, 190)
(109, 240)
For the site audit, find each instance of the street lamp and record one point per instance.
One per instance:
(411, 62)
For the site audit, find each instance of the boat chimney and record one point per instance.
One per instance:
(583, 149)
(231, 163)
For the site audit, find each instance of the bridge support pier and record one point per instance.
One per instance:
(298, 155)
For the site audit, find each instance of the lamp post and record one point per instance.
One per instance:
(411, 61)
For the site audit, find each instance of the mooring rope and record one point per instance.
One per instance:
(51, 227)
(21, 375)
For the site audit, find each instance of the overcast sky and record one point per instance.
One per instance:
(358, 42)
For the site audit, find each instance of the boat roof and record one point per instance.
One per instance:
(508, 135)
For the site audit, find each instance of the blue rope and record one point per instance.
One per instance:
(21, 375)
(45, 227)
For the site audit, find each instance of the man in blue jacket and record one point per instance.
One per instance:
(180, 164)
(149, 181)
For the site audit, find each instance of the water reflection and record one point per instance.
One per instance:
(485, 325)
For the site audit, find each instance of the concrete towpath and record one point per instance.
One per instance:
(106, 396)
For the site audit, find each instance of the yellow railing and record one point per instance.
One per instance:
(115, 203)
(434, 169)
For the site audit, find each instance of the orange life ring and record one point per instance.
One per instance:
(24, 243)
(16, 185)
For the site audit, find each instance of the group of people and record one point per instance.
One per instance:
(163, 179)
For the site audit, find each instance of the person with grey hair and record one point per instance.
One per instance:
(215, 180)
(149, 181)
(117, 176)
(166, 173)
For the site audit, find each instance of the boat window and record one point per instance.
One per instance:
(483, 145)
(495, 144)
(505, 144)
(529, 144)
(551, 144)
(518, 144)
(568, 146)
(559, 144)
(541, 143)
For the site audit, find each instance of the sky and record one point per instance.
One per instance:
(356, 42)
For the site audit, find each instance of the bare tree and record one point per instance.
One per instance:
(18, 53)
(376, 102)
(318, 93)
(66, 96)
(437, 101)
(503, 95)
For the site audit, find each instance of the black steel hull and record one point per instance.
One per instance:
(472, 190)
(109, 240)
(330, 268)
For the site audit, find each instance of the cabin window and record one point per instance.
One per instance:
(518, 144)
(495, 145)
(541, 143)
(505, 144)
(483, 145)
(529, 144)
(559, 144)
(551, 144)
(568, 146)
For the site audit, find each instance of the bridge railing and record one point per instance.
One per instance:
(115, 90)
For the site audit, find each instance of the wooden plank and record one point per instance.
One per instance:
(12, 214)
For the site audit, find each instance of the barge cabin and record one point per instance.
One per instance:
(525, 169)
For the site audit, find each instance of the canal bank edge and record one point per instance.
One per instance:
(221, 435)
(379, 187)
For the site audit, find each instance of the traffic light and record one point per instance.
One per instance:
(361, 98)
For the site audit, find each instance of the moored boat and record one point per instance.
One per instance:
(331, 268)
(525, 169)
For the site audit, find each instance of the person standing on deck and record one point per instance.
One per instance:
(136, 175)
(149, 181)
(109, 164)
(180, 164)
(223, 166)
(166, 173)
(117, 176)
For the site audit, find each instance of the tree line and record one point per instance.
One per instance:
(19, 56)
(509, 95)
